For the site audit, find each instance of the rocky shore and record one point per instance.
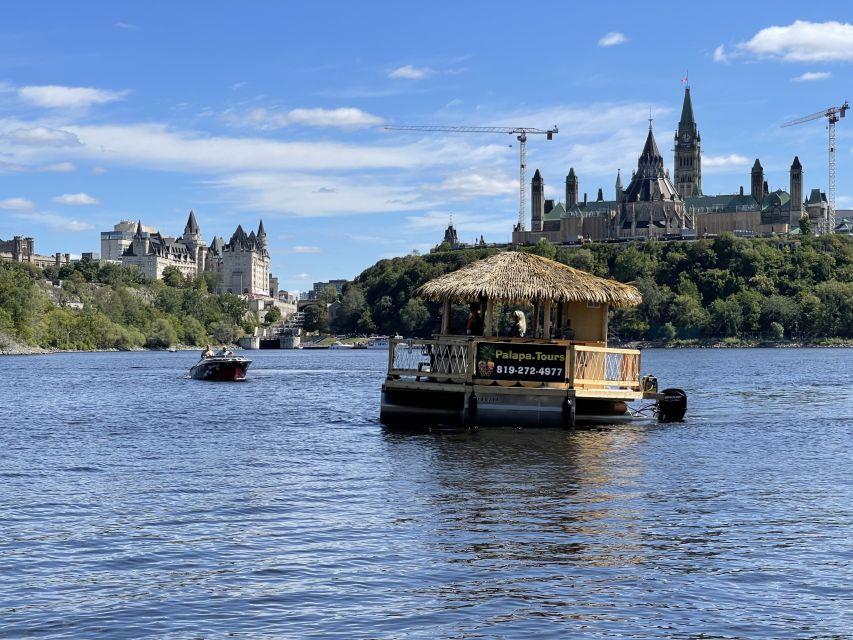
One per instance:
(9, 346)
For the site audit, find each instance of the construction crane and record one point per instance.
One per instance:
(521, 134)
(833, 114)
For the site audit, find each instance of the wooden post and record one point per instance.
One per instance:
(570, 351)
(488, 318)
(535, 328)
(445, 318)
(547, 327)
(604, 317)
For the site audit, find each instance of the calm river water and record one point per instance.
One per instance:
(137, 503)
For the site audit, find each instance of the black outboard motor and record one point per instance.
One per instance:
(673, 405)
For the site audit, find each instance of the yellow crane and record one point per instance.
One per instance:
(832, 114)
(521, 134)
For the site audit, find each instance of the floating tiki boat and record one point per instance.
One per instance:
(561, 377)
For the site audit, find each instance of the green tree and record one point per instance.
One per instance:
(726, 317)
(414, 317)
(161, 335)
(273, 315)
(316, 318)
(805, 226)
(173, 277)
(353, 307)
(223, 332)
(776, 331)
(233, 307)
(545, 249)
(365, 323)
(329, 294)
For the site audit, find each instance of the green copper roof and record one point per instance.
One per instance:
(720, 203)
(557, 212)
(777, 200)
(816, 197)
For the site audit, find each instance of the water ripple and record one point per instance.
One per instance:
(138, 503)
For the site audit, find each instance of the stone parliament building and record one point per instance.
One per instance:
(656, 205)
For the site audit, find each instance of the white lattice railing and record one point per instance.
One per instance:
(435, 358)
(601, 367)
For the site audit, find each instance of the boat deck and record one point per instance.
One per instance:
(507, 380)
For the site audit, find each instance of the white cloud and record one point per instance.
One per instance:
(158, 147)
(810, 76)
(58, 223)
(343, 118)
(99, 170)
(731, 160)
(472, 184)
(409, 72)
(59, 167)
(720, 54)
(55, 96)
(75, 199)
(124, 25)
(304, 249)
(43, 136)
(611, 39)
(16, 204)
(801, 41)
(294, 194)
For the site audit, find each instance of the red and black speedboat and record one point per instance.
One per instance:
(223, 368)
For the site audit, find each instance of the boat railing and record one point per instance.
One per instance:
(603, 367)
(446, 359)
(454, 359)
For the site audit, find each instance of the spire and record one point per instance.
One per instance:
(537, 176)
(687, 120)
(571, 173)
(192, 225)
(618, 178)
(757, 165)
(261, 230)
(796, 164)
(139, 229)
(650, 150)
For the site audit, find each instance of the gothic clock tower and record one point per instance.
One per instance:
(688, 159)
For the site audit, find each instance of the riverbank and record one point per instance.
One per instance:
(9, 346)
(736, 343)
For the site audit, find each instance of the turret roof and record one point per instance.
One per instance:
(192, 225)
(650, 150)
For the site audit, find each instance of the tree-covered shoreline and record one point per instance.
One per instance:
(725, 291)
(87, 306)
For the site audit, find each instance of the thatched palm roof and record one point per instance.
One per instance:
(513, 276)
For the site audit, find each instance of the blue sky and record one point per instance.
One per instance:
(276, 111)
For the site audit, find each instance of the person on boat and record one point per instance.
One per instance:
(207, 353)
(475, 321)
(519, 324)
(567, 332)
(225, 352)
